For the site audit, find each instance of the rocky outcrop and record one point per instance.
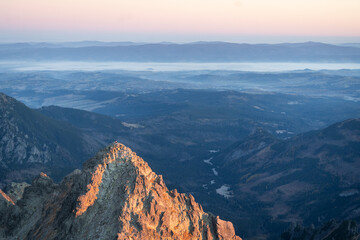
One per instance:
(5, 198)
(115, 196)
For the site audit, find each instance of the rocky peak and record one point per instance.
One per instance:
(42, 180)
(116, 195)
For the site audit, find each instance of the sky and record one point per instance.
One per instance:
(252, 21)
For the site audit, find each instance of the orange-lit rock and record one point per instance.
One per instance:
(6, 197)
(116, 196)
(89, 198)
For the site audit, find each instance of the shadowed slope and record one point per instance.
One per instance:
(30, 143)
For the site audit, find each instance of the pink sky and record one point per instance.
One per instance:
(112, 20)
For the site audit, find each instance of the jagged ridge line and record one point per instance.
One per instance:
(89, 198)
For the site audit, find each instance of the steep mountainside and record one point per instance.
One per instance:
(332, 230)
(31, 142)
(115, 196)
(310, 179)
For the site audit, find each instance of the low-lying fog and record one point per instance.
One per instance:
(180, 66)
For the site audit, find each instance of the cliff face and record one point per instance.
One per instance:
(115, 196)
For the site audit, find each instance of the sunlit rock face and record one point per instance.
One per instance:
(5, 198)
(115, 196)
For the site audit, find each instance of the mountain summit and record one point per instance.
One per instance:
(115, 196)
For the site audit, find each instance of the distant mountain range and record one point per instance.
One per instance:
(22, 45)
(350, 45)
(171, 52)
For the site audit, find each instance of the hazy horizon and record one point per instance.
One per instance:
(337, 41)
(188, 39)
